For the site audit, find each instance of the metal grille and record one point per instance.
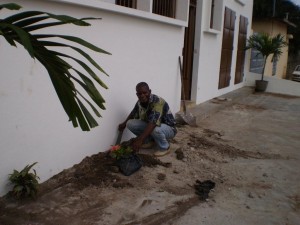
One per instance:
(127, 3)
(164, 7)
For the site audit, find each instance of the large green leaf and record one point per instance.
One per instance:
(21, 16)
(76, 40)
(92, 122)
(84, 54)
(86, 68)
(10, 6)
(17, 28)
(23, 36)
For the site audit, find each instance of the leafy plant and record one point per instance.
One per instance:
(25, 182)
(266, 45)
(20, 28)
(118, 151)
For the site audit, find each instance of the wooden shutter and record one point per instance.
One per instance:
(240, 58)
(227, 48)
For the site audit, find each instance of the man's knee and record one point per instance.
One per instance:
(156, 131)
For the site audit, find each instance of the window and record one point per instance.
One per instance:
(212, 14)
(127, 3)
(256, 62)
(164, 7)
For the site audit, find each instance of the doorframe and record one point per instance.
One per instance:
(188, 51)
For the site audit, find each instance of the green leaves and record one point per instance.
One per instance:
(266, 45)
(64, 74)
(25, 183)
(11, 6)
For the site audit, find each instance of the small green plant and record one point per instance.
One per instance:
(25, 182)
(118, 151)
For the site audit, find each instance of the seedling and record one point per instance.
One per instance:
(25, 183)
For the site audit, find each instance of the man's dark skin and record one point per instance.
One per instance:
(143, 94)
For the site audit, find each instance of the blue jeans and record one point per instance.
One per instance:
(161, 134)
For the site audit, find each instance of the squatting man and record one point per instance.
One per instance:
(151, 121)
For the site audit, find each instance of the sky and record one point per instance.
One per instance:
(297, 2)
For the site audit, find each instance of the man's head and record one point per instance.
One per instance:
(143, 92)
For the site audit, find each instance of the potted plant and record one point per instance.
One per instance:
(266, 46)
(126, 159)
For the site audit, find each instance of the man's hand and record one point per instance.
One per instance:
(122, 126)
(136, 144)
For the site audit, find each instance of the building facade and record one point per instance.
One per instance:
(145, 38)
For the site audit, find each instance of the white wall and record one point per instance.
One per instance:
(208, 44)
(34, 126)
(275, 84)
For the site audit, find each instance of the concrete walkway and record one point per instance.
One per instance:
(260, 191)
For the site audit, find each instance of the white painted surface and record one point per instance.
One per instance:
(275, 85)
(207, 49)
(34, 126)
(144, 10)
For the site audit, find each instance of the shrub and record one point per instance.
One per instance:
(25, 183)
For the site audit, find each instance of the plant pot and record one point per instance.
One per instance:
(261, 85)
(129, 164)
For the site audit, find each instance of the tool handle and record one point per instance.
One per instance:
(182, 85)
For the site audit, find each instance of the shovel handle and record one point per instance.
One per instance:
(182, 85)
(119, 137)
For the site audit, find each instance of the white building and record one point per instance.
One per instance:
(145, 46)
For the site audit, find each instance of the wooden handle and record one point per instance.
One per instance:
(182, 85)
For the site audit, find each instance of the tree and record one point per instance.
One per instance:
(266, 45)
(18, 29)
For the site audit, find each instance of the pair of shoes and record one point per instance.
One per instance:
(148, 145)
(160, 153)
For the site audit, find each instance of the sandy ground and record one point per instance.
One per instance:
(247, 144)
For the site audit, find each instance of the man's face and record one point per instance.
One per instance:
(143, 93)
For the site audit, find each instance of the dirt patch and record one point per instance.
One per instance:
(209, 145)
(160, 193)
(169, 214)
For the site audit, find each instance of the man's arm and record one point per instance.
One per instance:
(122, 126)
(136, 144)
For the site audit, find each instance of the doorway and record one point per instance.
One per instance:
(188, 51)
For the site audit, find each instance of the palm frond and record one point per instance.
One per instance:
(266, 45)
(17, 28)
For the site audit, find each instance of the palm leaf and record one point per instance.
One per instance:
(84, 54)
(266, 45)
(92, 122)
(85, 67)
(10, 6)
(17, 28)
(76, 40)
(23, 36)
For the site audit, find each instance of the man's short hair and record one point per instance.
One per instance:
(142, 84)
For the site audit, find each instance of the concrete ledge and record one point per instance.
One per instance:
(276, 85)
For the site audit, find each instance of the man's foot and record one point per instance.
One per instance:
(160, 153)
(148, 145)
